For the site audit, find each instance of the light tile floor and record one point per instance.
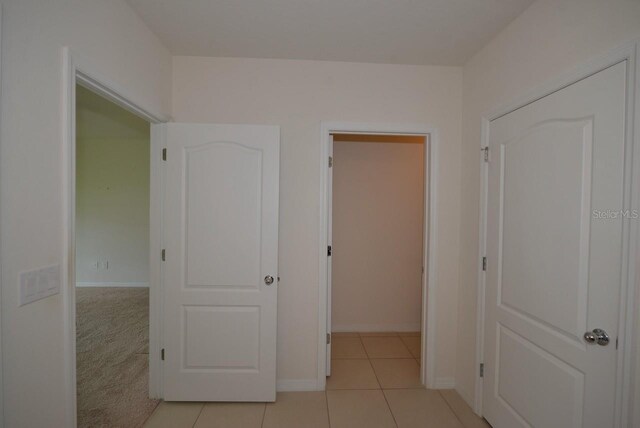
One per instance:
(374, 382)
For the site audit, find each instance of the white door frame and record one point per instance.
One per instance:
(1, 370)
(77, 71)
(428, 339)
(628, 336)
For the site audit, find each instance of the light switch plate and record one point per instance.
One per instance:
(38, 284)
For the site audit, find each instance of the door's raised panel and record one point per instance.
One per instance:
(523, 369)
(545, 218)
(223, 186)
(221, 338)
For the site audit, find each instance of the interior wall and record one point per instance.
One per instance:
(549, 38)
(109, 37)
(112, 194)
(378, 213)
(298, 95)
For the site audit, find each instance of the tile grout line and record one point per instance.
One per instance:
(199, 414)
(371, 365)
(326, 399)
(452, 410)
(368, 358)
(326, 390)
(264, 412)
(365, 349)
(365, 389)
(390, 358)
(406, 347)
(390, 334)
(152, 412)
(381, 389)
(389, 407)
(380, 385)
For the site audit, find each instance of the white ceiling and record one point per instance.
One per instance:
(434, 32)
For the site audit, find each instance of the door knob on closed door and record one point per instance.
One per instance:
(268, 280)
(598, 336)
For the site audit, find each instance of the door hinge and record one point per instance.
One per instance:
(484, 264)
(163, 254)
(329, 251)
(330, 161)
(328, 338)
(162, 354)
(164, 154)
(485, 150)
(481, 369)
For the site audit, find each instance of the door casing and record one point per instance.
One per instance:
(629, 340)
(76, 71)
(430, 240)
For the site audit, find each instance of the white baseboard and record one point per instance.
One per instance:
(369, 328)
(114, 284)
(444, 383)
(283, 385)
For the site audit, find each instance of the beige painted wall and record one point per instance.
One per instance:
(378, 195)
(112, 194)
(111, 37)
(298, 95)
(549, 38)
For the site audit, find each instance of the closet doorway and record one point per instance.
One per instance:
(379, 202)
(377, 259)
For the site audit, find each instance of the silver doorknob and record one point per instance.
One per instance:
(268, 280)
(598, 336)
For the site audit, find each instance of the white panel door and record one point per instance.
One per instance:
(220, 274)
(554, 252)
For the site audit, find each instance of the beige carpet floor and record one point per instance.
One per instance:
(112, 357)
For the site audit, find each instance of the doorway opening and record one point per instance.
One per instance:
(377, 270)
(377, 221)
(76, 73)
(112, 197)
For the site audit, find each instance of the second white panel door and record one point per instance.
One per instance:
(220, 274)
(554, 262)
